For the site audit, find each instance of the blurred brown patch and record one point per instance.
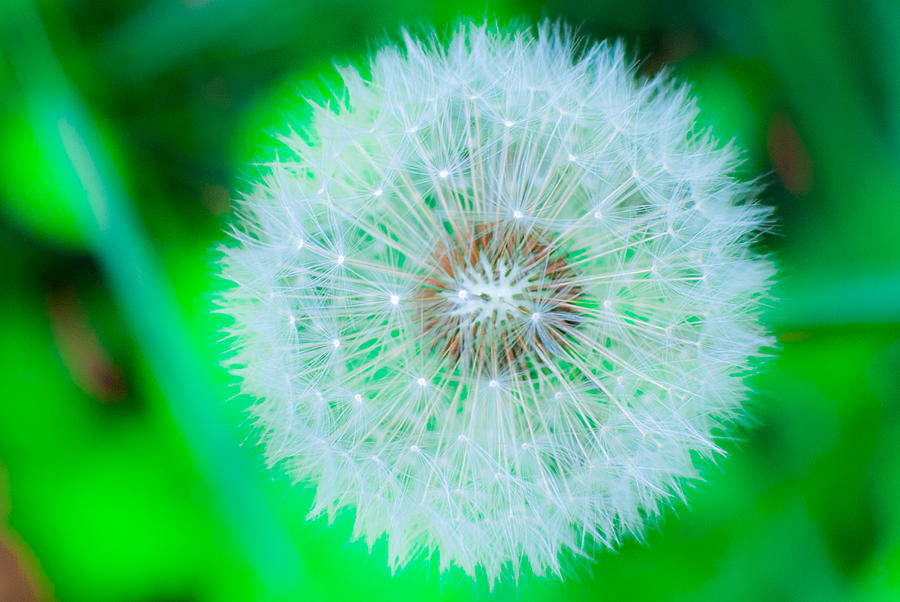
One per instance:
(788, 155)
(673, 47)
(216, 198)
(88, 362)
(793, 336)
(17, 580)
(20, 580)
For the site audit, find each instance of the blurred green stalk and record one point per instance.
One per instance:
(113, 232)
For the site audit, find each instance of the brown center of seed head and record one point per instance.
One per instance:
(498, 297)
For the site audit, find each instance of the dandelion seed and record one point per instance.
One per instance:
(577, 369)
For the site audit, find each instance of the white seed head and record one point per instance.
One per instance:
(578, 361)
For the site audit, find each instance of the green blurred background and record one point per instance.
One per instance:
(127, 469)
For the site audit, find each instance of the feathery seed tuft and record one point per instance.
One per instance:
(499, 299)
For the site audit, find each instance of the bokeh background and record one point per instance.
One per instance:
(127, 469)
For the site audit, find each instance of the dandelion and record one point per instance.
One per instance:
(498, 299)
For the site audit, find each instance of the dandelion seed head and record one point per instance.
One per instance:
(579, 357)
